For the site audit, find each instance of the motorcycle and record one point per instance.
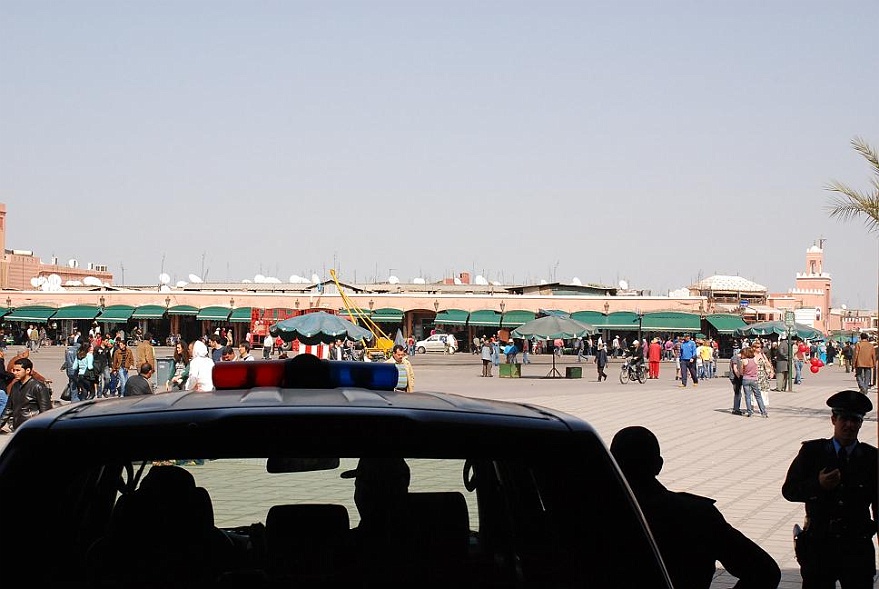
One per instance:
(629, 372)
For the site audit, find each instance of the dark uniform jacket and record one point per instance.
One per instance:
(25, 401)
(846, 510)
(692, 534)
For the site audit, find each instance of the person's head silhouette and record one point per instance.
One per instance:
(636, 450)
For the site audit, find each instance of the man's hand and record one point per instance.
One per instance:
(829, 479)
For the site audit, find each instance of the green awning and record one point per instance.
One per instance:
(517, 318)
(621, 321)
(240, 315)
(725, 323)
(35, 314)
(387, 315)
(485, 318)
(593, 318)
(77, 312)
(4, 311)
(183, 310)
(353, 315)
(671, 321)
(116, 314)
(213, 314)
(555, 312)
(451, 317)
(149, 312)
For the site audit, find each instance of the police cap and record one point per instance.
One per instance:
(850, 403)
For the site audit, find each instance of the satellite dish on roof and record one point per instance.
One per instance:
(576, 281)
(272, 280)
(164, 288)
(91, 281)
(393, 280)
(495, 283)
(419, 281)
(246, 281)
(195, 279)
(164, 278)
(480, 280)
(294, 278)
(844, 307)
(43, 280)
(259, 279)
(315, 278)
(181, 283)
(35, 282)
(44, 287)
(543, 281)
(623, 285)
(458, 281)
(66, 283)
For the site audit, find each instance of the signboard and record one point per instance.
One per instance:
(743, 303)
(789, 318)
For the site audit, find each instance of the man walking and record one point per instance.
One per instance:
(27, 397)
(145, 353)
(123, 359)
(782, 366)
(837, 480)
(688, 361)
(864, 359)
(406, 376)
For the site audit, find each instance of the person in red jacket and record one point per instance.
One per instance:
(654, 356)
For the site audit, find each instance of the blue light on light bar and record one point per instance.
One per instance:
(367, 375)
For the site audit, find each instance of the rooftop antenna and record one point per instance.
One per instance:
(203, 275)
(122, 273)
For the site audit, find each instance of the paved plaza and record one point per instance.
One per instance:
(739, 461)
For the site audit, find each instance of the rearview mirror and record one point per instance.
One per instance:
(281, 464)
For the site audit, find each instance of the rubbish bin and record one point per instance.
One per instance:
(163, 372)
(510, 370)
(574, 372)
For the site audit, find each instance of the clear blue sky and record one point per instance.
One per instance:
(650, 141)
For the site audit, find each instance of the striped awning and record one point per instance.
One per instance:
(76, 312)
(240, 315)
(149, 312)
(213, 314)
(451, 317)
(35, 314)
(116, 314)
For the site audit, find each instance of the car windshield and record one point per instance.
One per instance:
(446, 510)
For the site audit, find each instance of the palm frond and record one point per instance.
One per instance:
(863, 148)
(849, 203)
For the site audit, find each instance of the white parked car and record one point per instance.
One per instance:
(435, 343)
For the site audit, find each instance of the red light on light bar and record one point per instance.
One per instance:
(246, 375)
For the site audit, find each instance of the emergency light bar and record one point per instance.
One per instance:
(305, 372)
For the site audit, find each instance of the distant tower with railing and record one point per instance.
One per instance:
(813, 287)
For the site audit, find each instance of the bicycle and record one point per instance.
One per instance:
(629, 372)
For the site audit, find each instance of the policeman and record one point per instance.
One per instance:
(837, 480)
(689, 530)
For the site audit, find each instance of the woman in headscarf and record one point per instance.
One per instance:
(200, 369)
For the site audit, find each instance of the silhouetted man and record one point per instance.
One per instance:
(690, 532)
(837, 480)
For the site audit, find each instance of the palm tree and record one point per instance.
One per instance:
(849, 203)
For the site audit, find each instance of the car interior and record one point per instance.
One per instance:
(323, 521)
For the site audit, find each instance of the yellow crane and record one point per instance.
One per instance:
(383, 344)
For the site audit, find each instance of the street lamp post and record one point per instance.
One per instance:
(789, 319)
(640, 323)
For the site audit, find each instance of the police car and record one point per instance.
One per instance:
(309, 473)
